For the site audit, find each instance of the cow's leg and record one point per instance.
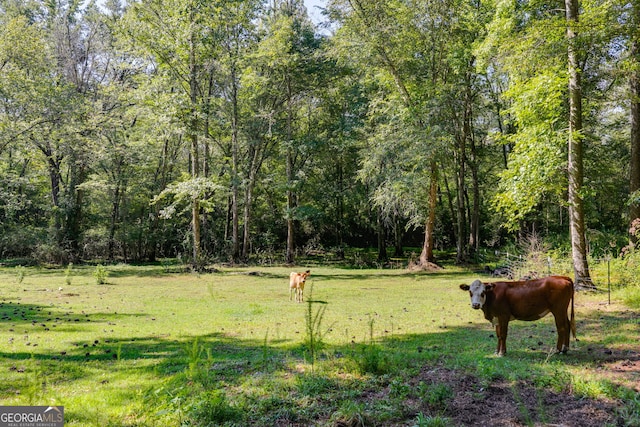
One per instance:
(291, 291)
(563, 328)
(501, 331)
(498, 336)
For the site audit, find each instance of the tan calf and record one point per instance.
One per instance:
(296, 285)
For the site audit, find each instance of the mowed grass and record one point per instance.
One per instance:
(151, 347)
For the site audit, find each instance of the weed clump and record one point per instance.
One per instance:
(370, 358)
(313, 322)
(351, 414)
(100, 274)
(214, 409)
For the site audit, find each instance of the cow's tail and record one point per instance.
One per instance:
(573, 319)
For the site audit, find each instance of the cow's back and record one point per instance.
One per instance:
(531, 299)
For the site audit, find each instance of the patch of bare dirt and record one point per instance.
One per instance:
(620, 366)
(506, 404)
(429, 267)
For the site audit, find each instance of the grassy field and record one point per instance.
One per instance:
(152, 347)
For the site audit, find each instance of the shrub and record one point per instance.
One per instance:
(68, 274)
(631, 296)
(100, 274)
(20, 241)
(628, 265)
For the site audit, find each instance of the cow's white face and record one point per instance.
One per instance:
(478, 293)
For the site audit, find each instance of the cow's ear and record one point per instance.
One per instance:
(464, 287)
(308, 271)
(489, 286)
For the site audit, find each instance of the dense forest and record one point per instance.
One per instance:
(237, 130)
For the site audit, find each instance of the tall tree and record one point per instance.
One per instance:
(177, 33)
(237, 36)
(288, 58)
(539, 95)
(634, 116)
(59, 106)
(422, 49)
(575, 162)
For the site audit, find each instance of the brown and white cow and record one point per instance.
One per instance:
(296, 285)
(525, 300)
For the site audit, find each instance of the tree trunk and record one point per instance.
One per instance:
(634, 88)
(382, 241)
(339, 215)
(397, 236)
(474, 233)
(55, 180)
(235, 192)
(254, 166)
(461, 216)
(73, 212)
(195, 161)
(290, 254)
(161, 177)
(248, 200)
(426, 256)
(256, 155)
(452, 212)
(115, 213)
(575, 163)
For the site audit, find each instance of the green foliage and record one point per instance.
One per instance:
(68, 274)
(631, 296)
(315, 385)
(537, 161)
(558, 379)
(627, 269)
(437, 396)
(93, 165)
(431, 421)
(370, 357)
(351, 413)
(36, 384)
(630, 412)
(100, 274)
(213, 409)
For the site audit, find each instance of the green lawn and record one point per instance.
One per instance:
(155, 348)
